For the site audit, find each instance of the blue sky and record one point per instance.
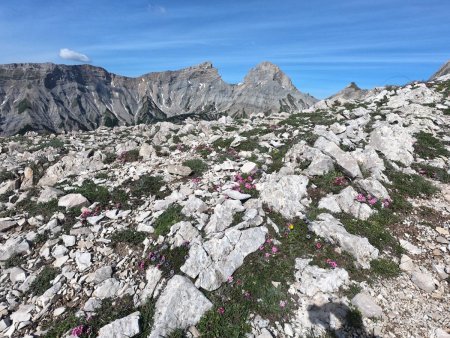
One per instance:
(322, 45)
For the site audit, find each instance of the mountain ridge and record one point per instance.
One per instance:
(47, 97)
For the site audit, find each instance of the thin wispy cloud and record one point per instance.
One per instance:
(68, 54)
(322, 45)
(157, 9)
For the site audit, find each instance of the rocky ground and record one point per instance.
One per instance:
(330, 222)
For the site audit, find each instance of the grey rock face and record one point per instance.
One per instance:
(314, 279)
(82, 97)
(12, 246)
(72, 201)
(180, 305)
(120, 328)
(367, 305)
(217, 259)
(342, 158)
(331, 229)
(285, 194)
(424, 281)
(444, 70)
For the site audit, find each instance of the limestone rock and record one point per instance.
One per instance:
(331, 229)
(313, 279)
(14, 245)
(73, 201)
(121, 328)
(217, 259)
(179, 170)
(343, 159)
(180, 305)
(285, 194)
(394, 142)
(424, 281)
(367, 305)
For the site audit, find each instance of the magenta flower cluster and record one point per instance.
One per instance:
(245, 183)
(340, 181)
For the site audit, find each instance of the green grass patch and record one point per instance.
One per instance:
(410, 185)
(128, 236)
(375, 229)
(255, 132)
(109, 158)
(129, 156)
(168, 218)
(326, 182)
(197, 166)
(43, 280)
(384, 268)
(94, 192)
(53, 143)
(148, 185)
(15, 260)
(6, 175)
(429, 147)
(222, 143)
(432, 172)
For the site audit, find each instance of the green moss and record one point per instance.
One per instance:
(222, 143)
(432, 172)
(109, 158)
(326, 182)
(128, 236)
(384, 268)
(94, 192)
(168, 218)
(410, 185)
(15, 260)
(429, 147)
(43, 279)
(197, 166)
(148, 185)
(375, 229)
(354, 319)
(129, 156)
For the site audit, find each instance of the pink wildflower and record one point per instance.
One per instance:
(283, 303)
(274, 249)
(340, 181)
(267, 255)
(372, 200)
(230, 279)
(361, 198)
(248, 186)
(250, 179)
(247, 294)
(77, 331)
(261, 248)
(331, 263)
(141, 265)
(318, 245)
(221, 310)
(386, 203)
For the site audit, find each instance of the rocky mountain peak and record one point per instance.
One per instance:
(60, 98)
(267, 72)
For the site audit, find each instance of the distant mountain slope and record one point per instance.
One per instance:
(444, 70)
(58, 98)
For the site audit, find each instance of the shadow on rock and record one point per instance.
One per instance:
(339, 320)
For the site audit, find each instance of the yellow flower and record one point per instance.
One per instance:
(291, 226)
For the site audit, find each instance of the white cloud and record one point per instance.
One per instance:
(69, 54)
(157, 9)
